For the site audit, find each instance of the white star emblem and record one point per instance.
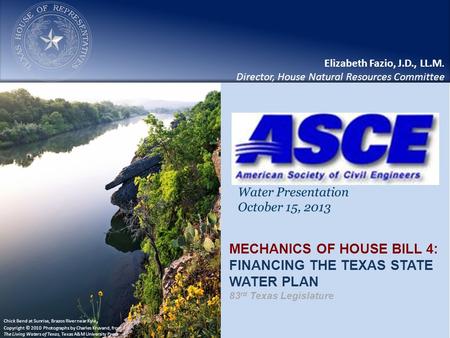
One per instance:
(52, 40)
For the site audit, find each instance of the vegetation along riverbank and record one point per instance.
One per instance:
(25, 118)
(177, 213)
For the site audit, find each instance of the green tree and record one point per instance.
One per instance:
(5, 116)
(53, 123)
(25, 118)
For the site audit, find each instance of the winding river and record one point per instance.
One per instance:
(54, 217)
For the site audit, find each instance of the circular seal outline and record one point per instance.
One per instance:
(32, 9)
(62, 66)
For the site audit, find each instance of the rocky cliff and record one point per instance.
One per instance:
(125, 196)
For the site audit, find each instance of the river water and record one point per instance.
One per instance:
(54, 217)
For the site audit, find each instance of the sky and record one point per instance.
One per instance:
(119, 93)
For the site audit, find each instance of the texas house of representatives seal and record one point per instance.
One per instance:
(52, 36)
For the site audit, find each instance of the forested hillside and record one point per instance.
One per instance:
(25, 118)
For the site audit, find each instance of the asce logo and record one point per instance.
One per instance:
(407, 142)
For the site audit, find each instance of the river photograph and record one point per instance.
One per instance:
(69, 157)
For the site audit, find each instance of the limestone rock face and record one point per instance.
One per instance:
(125, 330)
(138, 167)
(216, 157)
(125, 196)
(177, 266)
